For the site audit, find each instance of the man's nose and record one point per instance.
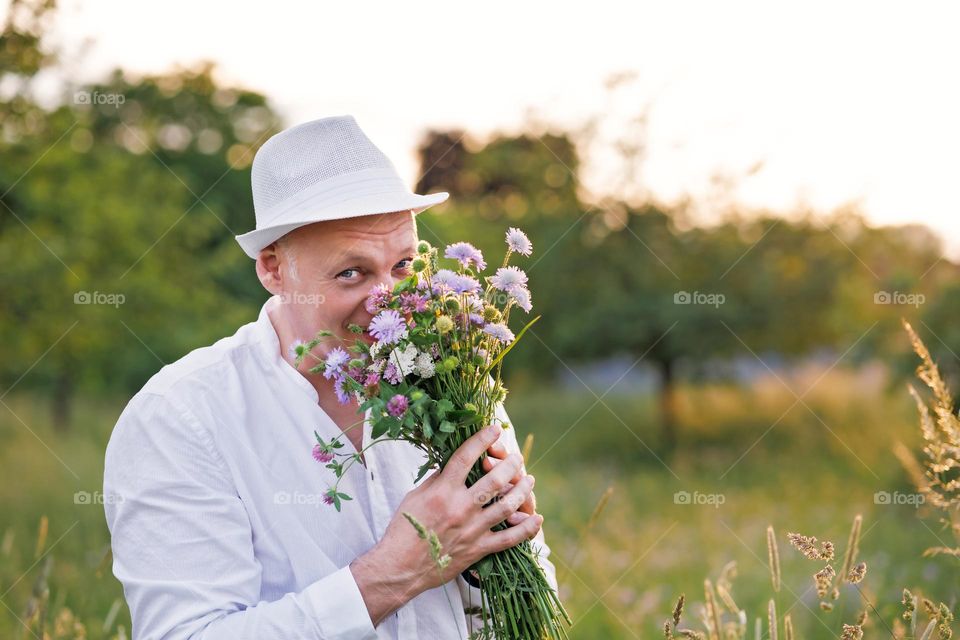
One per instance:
(389, 279)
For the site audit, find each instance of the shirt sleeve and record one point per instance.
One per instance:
(182, 542)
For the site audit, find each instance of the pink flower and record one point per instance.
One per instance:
(397, 405)
(378, 298)
(321, 455)
(413, 302)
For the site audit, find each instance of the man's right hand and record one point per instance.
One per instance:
(400, 567)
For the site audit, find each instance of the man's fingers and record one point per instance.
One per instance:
(491, 484)
(466, 454)
(512, 536)
(498, 450)
(489, 463)
(519, 516)
(509, 503)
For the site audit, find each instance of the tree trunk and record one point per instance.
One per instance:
(62, 401)
(668, 405)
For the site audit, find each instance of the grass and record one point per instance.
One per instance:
(820, 464)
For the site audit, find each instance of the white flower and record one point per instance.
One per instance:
(522, 296)
(508, 277)
(404, 359)
(518, 241)
(424, 366)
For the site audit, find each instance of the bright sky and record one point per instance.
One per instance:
(842, 101)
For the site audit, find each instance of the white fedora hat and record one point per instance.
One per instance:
(325, 169)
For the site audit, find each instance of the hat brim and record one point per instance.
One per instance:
(253, 241)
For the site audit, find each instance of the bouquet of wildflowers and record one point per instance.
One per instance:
(432, 378)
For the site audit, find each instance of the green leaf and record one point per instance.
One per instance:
(427, 426)
(447, 427)
(423, 471)
(485, 567)
(344, 496)
(404, 284)
(442, 407)
(395, 426)
(380, 427)
(387, 390)
(464, 416)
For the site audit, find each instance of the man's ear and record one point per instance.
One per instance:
(268, 268)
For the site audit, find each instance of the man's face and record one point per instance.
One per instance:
(328, 268)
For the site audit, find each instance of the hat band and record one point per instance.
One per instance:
(333, 191)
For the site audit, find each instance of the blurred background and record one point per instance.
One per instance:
(732, 206)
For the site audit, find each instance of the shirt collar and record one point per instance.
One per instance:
(269, 343)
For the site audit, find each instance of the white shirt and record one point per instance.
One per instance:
(214, 505)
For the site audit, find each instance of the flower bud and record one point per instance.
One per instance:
(444, 324)
(491, 313)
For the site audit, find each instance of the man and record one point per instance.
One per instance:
(216, 514)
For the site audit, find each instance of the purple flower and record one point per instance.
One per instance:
(465, 253)
(328, 499)
(397, 405)
(334, 362)
(372, 378)
(321, 455)
(465, 285)
(378, 298)
(443, 280)
(507, 278)
(339, 388)
(518, 241)
(499, 331)
(391, 373)
(388, 326)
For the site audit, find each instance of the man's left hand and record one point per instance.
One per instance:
(495, 454)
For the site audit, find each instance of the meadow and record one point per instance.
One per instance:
(747, 457)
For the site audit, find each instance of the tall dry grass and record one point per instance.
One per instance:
(937, 478)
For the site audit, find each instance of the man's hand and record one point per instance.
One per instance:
(399, 567)
(496, 453)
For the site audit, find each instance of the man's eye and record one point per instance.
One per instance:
(401, 265)
(346, 271)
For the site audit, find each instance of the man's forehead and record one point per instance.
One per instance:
(360, 246)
